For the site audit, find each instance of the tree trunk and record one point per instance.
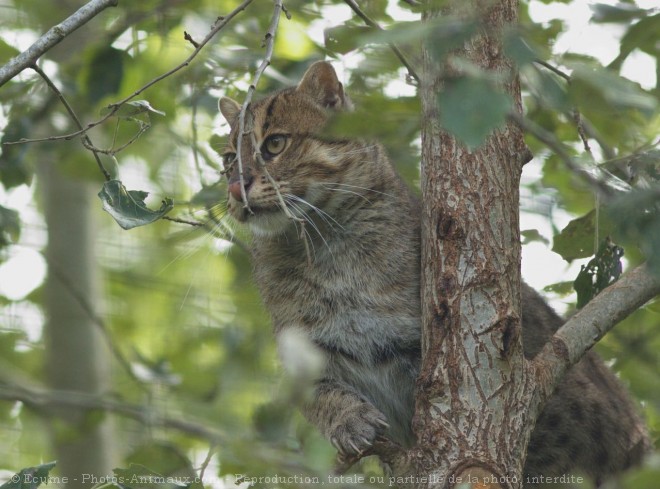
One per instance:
(77, 360)
(470, 417)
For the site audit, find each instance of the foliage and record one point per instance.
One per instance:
(30, 477)
(601, 271)
(128, 207)
(181, 308)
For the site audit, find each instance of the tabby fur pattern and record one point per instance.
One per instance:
(351, 286)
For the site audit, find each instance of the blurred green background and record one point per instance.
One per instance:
(160, 326)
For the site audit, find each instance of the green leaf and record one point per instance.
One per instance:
(272, 421)
(104, 73)
(449, 33)
(29, 478)
(128, 207)
(603, 13)
(518, 48)
(163, 457)
(637, 215)
(345, 38)
(6, 51)
(10, 226)
(576, 240)
(130, 110)
(616, 91)
(549, 89)
(531, 235)
(602, 270)
(561, 288)
(471, 108)
(642, 35)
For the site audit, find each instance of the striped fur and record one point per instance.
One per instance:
(348, 280)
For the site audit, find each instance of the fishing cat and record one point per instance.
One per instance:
(349, 280)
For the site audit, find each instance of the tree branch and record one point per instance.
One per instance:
(42, 400)
(269, 41)
(590, 324)
(114, 107)
(551, 141)
(85, 138)
(372, 23)
(585, 129)
(54, 35)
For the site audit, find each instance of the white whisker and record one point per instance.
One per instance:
(343, 190)
(358, 187)
(307, 219)
(322, 214)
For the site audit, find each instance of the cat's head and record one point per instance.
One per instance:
(285, 131)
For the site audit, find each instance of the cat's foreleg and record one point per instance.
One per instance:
(345, 417)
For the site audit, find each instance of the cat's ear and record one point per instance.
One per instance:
(230, 109)
(321, 83)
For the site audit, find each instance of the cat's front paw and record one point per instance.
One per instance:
(357, 430)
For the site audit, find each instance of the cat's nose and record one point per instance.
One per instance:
(235, 187)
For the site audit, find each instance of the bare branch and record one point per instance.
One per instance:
(269, 42)
(42, 400)
(412, 74)
(54, 35)
(554, 69)
(585, 129)
(219, 24)
(551, 141)
(590, 324)
(114, 107)
(85, 139)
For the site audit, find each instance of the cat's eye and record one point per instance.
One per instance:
(273, 145)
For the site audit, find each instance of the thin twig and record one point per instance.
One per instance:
(219, 24)
(584, 127)
(412, 74)
(144, 127)
(114, 107)
(554, 69)
(85, 139)
(577, 117)
(54, 35)
(206, 462)
(183, 221)
(41, 400)
(190, 39)
(269, 42)
(550, 140)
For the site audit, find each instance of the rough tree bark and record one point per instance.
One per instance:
(470, 420)
(477, 397)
